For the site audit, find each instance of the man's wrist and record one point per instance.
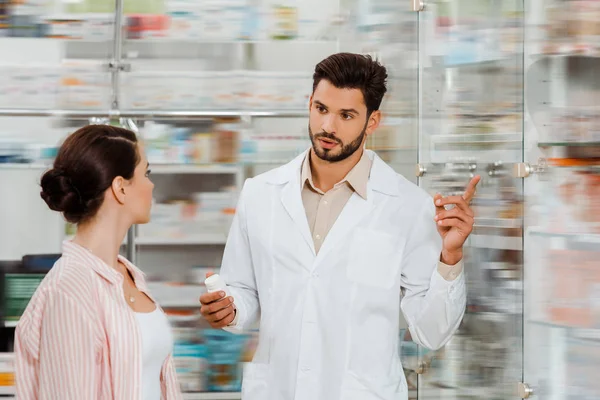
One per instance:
(451, 258)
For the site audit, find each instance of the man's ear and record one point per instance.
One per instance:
(373, 123)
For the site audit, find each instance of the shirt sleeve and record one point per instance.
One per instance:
(65, 364)
(170, 389)
(433, 303)
(450, 272)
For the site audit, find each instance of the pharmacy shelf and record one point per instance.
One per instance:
(174, 169)
(496, 242)
(7, 390)
(10, 391)
(500, 223)
(195, 42)
(569, 144)
(159, 115)
(212, 396)
(153, 114)
(478, 138)
(590, 238)
(24, 166)
(200, 239)
(579, 332)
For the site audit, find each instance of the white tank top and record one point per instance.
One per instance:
(157, 344)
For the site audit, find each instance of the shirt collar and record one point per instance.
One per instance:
(86, 257)
(357, 178)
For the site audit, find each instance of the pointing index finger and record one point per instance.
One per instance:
(470, 190)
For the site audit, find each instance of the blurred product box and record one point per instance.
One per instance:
(262, 148)
(65, 27)
(166, 144)
(203, 213)
(191, 365)
(19, 288)
(147, 26)
(574, 296)
(7, 369)
(225, 352)
(276, 90)
(84, 84)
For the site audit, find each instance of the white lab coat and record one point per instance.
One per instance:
(329, 323)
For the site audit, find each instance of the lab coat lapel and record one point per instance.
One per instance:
(291, 197)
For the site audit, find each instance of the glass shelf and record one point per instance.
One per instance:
(569, 144)
(575, 331)
(575, 237)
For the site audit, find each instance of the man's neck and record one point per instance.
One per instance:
(326, 174)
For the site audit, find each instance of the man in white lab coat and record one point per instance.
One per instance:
(326, 250)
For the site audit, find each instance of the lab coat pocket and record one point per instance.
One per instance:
(255, 381)
(374, 258)
(355, 387)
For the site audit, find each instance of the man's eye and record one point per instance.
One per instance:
(346, 116)
(148, 172)
(321, 109)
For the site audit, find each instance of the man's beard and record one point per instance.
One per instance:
(346, 149)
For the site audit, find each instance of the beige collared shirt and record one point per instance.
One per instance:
(323, 209)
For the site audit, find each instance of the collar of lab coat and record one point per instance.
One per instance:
(383, 178)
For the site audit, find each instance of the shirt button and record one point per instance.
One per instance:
(305, 369)
(325, 202)
(318, 237)
(315, 275)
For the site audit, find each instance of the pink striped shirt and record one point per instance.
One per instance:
(78, 339)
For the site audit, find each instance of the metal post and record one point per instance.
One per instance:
(115, 64)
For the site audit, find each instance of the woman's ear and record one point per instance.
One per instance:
(118, 189)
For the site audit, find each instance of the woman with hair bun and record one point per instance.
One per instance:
(92, 330)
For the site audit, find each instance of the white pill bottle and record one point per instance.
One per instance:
(215, 283)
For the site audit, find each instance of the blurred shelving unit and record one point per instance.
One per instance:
(501, 88)
(218, 92)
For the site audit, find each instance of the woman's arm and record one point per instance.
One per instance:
(57, 357)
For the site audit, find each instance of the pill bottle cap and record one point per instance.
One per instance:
(214, 282)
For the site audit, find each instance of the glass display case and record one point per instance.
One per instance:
(218, 92)
(471, 87)
(507, 91)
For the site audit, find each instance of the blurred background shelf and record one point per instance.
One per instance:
(8, 392)
(474, 87)
(212, 396)
(172, 169)
(198, 239)
(574, 331)
(581, 237)
(158, 115)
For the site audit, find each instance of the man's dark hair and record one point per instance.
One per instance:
(354, 71)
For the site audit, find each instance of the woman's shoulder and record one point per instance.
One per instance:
(68, 279)
(67, 288)
(69, 275)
